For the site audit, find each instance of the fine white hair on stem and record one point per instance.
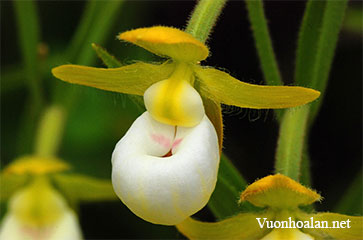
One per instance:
(164, 173)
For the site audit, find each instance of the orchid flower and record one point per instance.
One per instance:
(281, 198)
(165, 167)
(37, 210)
(37, 192)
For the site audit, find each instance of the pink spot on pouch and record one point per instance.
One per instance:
(162, 140)
(176, 142)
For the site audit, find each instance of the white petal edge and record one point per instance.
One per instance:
(170, 189)
(66, 227)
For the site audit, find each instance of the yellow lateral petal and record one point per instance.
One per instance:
(354, 232)
(287, 234)
(242, 226)
(130, 79)
(228, 90)
(84, 188)
(167, 41)
(278, 191)
(10, 184)
(36, 165)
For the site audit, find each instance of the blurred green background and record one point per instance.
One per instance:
(98, 119)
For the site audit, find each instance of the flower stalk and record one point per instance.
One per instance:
(50, 131)
(291, 142)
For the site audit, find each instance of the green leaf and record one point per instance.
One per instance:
(84, 188)
(264, 46)
(28, 35)
(317, 40)
(12, 78)
(353, 21)
(10, 183)
(28, 30)
(351, 200)
(83, 28)
(111, 62)
(316, 45)
(95, 26)
(291, 141)
(224, 200)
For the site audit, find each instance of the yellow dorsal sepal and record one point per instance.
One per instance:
(279, 191)
(36, 165)
(167, 41)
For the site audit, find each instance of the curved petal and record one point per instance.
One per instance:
(214, 112)
(165, 190)
(84, 188)
(221, 87)
(337, 226)
(242, 226)
(130, 79)
(167, 41)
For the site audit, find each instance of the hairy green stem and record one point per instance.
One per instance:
(332, 22)
(204, 18)
(264, 47)
(291, 141)
(263, 42)
(317, 41)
